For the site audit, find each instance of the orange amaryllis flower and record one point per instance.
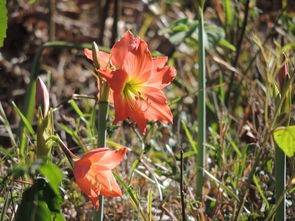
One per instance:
(137, 80)
(93, 173)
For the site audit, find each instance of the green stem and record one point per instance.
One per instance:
(70, 156)
(201, 109)
(280, 176)
(103, 106)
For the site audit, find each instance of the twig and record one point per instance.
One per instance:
(181, 186)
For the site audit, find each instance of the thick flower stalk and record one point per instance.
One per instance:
(93, 173)
(136, 80)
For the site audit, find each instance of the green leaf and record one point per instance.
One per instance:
(24, 119)
(40, 203)
(3, 21)
(189, 137)
(149, 205)
(5, 121)
(227, 44)
(260, 191)
(228, 13)
(53, 175)
(288, 47)
(5, 205)
(285, 139)
(133, 196)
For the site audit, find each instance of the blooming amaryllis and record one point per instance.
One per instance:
(93, 173)
(136, 80)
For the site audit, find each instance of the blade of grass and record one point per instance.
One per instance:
(77, 110)
(234, 145)
(228, 14)
(5, 206)
(26, 122)
(149, 205)
(134, 199)
(223, 186)
(200, 162)
(5, 121)
(154, 178)
(133, 169)
(72, 133)
(189, 137)
(260, 191)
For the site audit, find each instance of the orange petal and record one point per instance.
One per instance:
(159, 62)
(93, 173)
(138, 61)
(158, 109)
(161, 77)
(109, 185)
(104, 158)
(103, 58)
(121, 107)
(139, 118)
(84, 179)
(120, 49)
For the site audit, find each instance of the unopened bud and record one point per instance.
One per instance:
(95, 51)
(282, 75)
(42, 96)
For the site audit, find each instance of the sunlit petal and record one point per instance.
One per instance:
(93, 173)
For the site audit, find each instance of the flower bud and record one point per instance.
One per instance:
(282, 75)
(42, 96)
(95, 51)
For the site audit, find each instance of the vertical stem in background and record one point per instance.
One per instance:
(280, 176)
(200, 162)
(280, 156)
(181, 187)
(115, 21)
(103, 106)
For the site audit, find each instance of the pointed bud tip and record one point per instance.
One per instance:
(42, 96)
(95, 51)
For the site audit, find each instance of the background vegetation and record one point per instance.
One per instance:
(247, 44)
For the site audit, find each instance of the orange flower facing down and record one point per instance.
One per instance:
(93, 173)
(136, 80)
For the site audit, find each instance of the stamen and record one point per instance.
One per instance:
(110, 185)
(136, 100)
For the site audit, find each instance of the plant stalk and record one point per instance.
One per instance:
(103, 106)
(200, 158)
(280, 176)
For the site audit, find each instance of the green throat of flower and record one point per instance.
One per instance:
(132, 92)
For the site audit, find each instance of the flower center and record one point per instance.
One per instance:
(133, 93)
